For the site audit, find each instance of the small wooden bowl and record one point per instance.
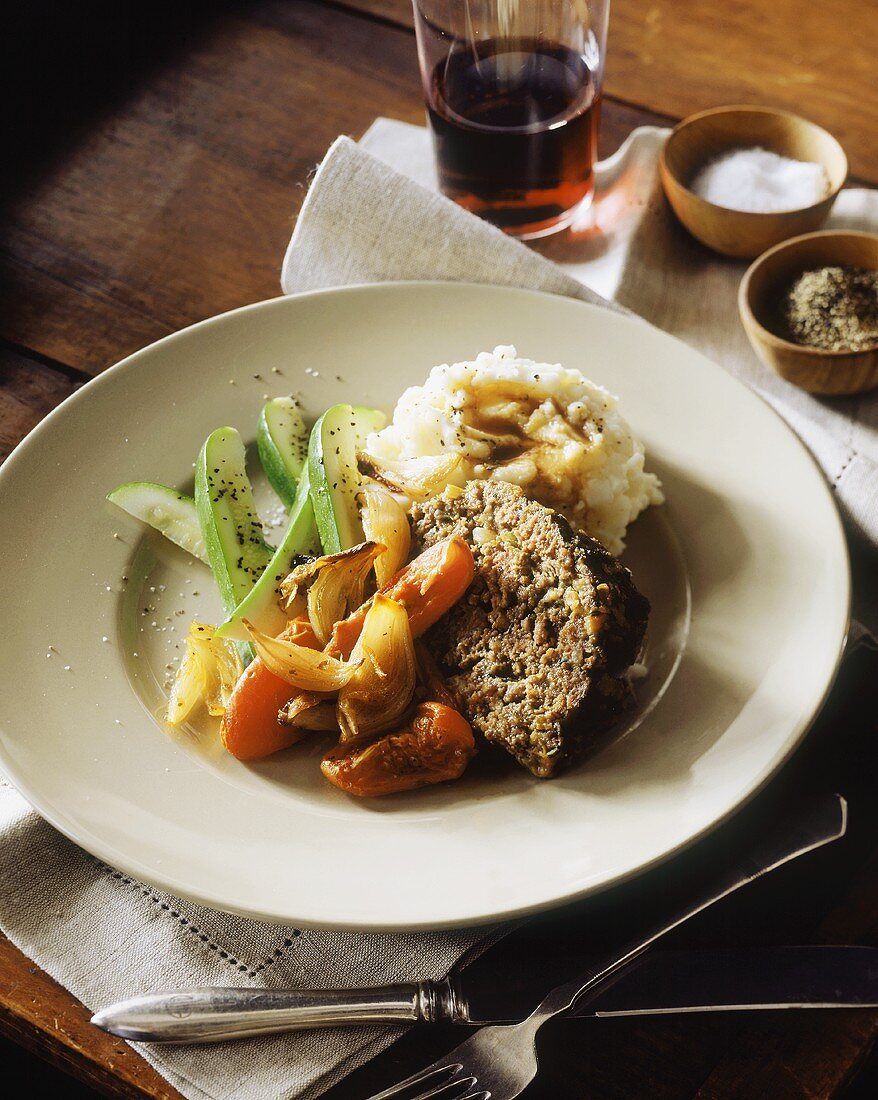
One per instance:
(759, 297)
(702, 137)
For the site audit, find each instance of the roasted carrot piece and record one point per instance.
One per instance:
(436, 746)
(250, 728)
(427, 587)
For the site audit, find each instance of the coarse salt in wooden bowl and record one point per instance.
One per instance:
(701, 138)
(760, 304)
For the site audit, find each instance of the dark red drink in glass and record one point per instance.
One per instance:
(514, 116)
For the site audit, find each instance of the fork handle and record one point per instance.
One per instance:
(210, 1014)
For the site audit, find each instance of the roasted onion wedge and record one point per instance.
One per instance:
(299, 666)
(335, 585)
(435, 747)
(380, 690)
(417, 478)
(297, 711)
(385, 521)
(207, 674)
(321, 716)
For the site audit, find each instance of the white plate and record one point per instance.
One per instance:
(749, 527)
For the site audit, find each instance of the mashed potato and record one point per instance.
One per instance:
(537, 425)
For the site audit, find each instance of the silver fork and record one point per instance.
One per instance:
(498, 1063)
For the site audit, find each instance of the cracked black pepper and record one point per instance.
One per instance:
(834, 308)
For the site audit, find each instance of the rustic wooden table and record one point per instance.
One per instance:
(161, 159)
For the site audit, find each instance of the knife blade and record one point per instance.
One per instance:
(668, 982)
(541, 954)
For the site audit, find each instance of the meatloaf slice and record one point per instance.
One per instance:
(536, 649)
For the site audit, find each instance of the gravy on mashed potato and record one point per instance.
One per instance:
(544, 427)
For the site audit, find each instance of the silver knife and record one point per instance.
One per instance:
(664, 982)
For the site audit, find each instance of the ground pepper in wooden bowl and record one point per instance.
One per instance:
(810, 309)
(834, 308)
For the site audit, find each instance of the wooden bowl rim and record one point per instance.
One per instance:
(829, 197)
(746, 311)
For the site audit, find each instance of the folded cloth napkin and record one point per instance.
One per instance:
(370, 216)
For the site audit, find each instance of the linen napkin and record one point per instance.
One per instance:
(373, 214)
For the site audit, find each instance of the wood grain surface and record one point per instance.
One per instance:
(43, 1018)
(676, 57)
(102, 252)
(157, 183)
(29, 390)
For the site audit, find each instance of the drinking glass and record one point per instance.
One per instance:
(513, 91)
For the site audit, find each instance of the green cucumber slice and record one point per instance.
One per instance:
(282, 440)
(366, 421)
(335, 479)
(260, 606)
(170, 512)
(231, 528)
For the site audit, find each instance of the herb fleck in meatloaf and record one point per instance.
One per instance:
(536, 648)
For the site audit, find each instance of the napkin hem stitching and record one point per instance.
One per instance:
(852, 450)
(250, 969)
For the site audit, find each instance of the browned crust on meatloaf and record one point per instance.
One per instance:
(536, 649)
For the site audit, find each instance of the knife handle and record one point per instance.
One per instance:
(210, 1014)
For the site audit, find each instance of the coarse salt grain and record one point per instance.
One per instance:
(761, 182)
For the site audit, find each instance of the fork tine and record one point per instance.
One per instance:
(458, 1089)
(424, 1085)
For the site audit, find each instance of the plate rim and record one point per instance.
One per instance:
(169, 884)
